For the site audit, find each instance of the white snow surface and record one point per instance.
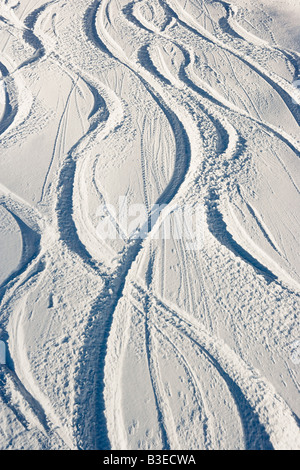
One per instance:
(148, 344)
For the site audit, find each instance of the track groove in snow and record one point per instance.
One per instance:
(143, 343)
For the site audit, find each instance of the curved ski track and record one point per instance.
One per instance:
(203, 126)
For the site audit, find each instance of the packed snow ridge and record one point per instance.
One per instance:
(149, 224)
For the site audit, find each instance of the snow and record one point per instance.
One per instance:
(120, 113)
(2, 353)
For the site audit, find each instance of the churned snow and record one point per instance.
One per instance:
(120, 115)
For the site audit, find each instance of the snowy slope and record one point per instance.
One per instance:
(149, 342)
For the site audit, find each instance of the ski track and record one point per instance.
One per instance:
(202, 123)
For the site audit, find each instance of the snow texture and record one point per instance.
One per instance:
(143, 342)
